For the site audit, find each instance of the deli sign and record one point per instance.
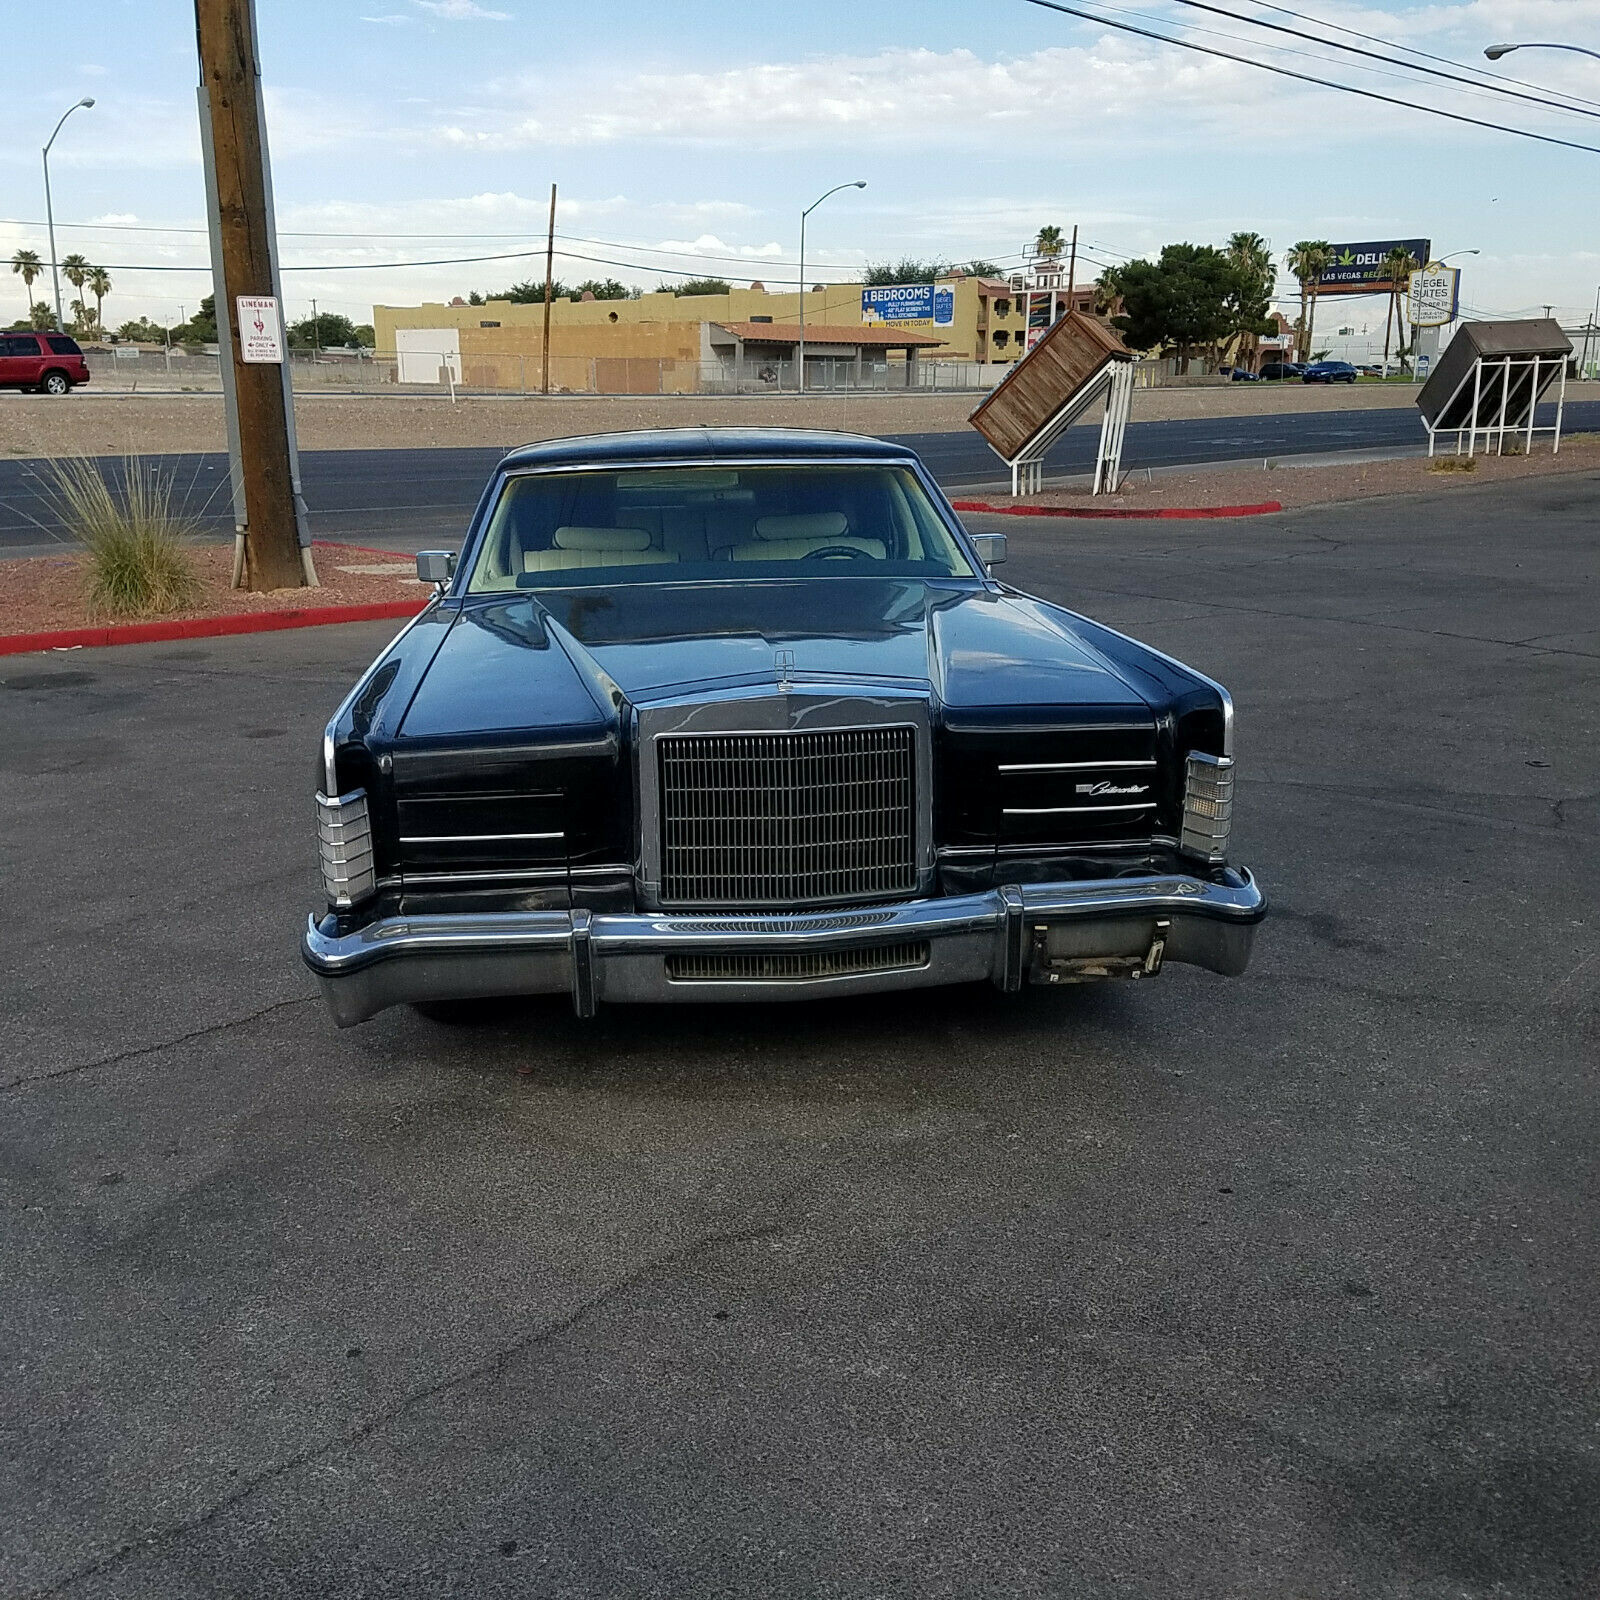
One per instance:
(1358, 268)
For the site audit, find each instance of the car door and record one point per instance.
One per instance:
(19, 360)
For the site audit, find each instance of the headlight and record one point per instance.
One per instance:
(1208, 807)
(344, 842)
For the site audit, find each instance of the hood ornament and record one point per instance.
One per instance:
(783, 661)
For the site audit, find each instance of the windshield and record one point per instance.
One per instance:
(673, 524)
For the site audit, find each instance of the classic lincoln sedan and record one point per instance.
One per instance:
(740, 714)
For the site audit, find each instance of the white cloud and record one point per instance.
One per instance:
(395, 19)
(460, 11)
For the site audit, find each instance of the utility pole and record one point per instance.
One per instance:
(272, 546)
(549, 283)
(316, 331)
(1072, 266)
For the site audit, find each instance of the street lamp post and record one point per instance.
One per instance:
(860, 183)
(1495, 51)
(49, 214)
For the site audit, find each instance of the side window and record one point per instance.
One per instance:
(62, 345)
(19, 345)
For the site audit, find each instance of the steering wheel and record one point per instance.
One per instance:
(829, 552)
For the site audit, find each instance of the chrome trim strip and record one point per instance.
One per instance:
(1070, 766)
(1056, 811)
(471, 838)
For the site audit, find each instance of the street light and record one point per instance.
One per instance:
(860, 183)
(1495, 51)
(49, 215)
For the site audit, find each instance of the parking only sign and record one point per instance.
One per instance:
(260, 328)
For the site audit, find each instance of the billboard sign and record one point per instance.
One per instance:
(1434, 296)
(898, 302)
(1358, 268)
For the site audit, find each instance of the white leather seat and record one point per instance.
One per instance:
(793, 538)
(575, 547)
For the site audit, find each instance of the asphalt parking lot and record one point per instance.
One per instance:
(1283, 1286)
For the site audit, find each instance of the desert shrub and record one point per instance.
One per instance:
(140, 555)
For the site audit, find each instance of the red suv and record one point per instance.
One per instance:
(41, 363)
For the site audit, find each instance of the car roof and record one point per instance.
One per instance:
(702, 444)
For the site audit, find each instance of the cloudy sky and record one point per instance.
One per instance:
(686, 138)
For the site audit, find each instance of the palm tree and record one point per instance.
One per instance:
(1398, 266)
(26, 263)
(1108, 290)
(1049, 242)
(76, 269)
(99, 285)
(1308, 261)
(1252, 255)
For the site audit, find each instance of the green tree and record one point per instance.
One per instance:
(529, 293)
(1308, 260)
(1398, 266)
(25, 263)
(366, 337)
(906, 270)
(1108, 290)
(979, 268)
(76, 269)
(609, 289)
(691, 286)
(1049, 242)
(42, 316)
(326, 331)
(141, 330)
(474, 297)
(1251, 302)
(1180, 301)
(98, 284)
(201, 328)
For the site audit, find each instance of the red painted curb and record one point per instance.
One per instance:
(206, 627)
(1266, 507)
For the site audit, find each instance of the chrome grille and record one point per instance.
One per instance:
(787, 819)
(796, 966)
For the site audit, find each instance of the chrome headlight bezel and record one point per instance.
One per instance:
(1207, 807)
(344, 847)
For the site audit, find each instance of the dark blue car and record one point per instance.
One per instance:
(1328, 372)
(743, 714)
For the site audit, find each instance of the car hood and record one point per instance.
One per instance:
(570, 661)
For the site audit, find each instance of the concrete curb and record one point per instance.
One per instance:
(1264, 508)
(206, 627)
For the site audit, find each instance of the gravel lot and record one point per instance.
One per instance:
(88, 424)
(1278, 1287)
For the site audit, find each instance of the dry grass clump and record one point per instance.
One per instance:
(140, 562)
(1453, 464)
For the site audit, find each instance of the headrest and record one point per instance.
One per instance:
(809, 525)
(601, 539)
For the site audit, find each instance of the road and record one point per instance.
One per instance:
(407, 498)
(1229, 1290)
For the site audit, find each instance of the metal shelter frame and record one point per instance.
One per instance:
(1485, 375)
(1114, 383)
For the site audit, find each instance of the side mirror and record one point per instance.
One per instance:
(437, 567)
(991, 548)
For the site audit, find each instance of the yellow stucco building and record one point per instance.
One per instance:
(663, 342)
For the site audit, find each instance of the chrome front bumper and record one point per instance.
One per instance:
(1039, 933)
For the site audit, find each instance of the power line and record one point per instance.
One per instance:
(1372, 55)
(1322, 83)
(1412, 50)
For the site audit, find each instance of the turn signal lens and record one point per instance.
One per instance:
(344, 842)
(1208, 807)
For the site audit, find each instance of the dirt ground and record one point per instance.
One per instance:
(89, 424)
(1292, 487)
(49, 592)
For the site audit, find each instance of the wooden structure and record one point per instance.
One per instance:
(1490, 380)
(1079, 361)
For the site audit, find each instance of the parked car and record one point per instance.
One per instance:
(734, 714)
(1243, 375)
(41, 363)
(1280, 370)
(1329, 372)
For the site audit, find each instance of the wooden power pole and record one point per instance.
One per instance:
(261, 424)
(549, 280)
